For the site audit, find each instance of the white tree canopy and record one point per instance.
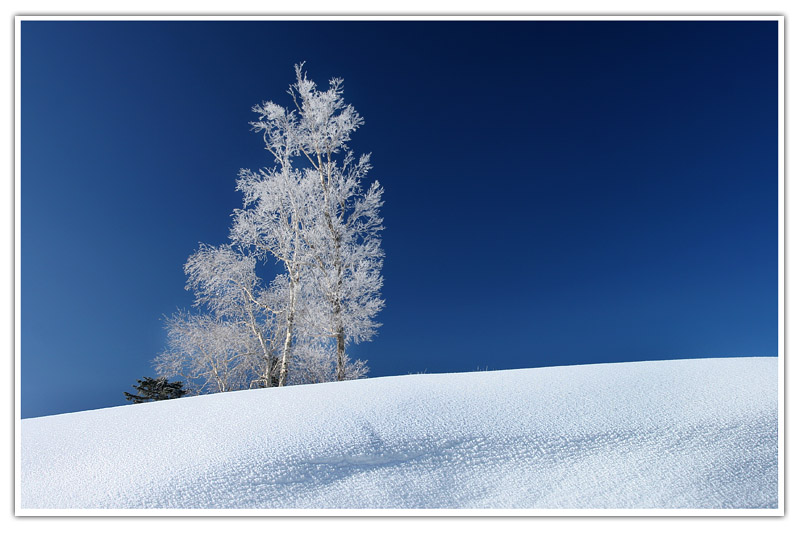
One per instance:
(312, 213)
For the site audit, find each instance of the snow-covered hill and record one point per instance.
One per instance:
(667, 434)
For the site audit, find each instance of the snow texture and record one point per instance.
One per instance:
(665, 434)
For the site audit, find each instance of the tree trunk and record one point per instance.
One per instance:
(339, 268)
(340, 369)
(267, 377)
(287, 344)
(294, 279)
(337, 312)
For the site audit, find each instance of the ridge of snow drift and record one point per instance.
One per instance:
(695, 433)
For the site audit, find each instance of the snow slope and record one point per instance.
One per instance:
(667, 434)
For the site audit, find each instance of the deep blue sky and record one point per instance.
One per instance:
(556, 192)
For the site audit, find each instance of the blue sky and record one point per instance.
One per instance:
(556, 192)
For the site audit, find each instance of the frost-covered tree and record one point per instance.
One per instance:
(212, 355)
(315, 362)
(225, 283)
(278, 208)
(311, 212)
(339, 225)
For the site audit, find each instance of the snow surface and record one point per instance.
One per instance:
(667, 434)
